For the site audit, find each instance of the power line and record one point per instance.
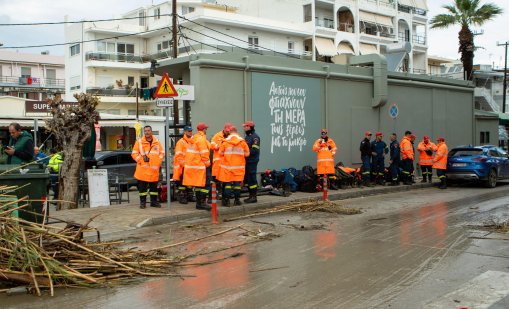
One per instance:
(85, 41)
(188, 38)
(80, 21)
(233, 37)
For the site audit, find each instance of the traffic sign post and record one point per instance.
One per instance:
(165, 93)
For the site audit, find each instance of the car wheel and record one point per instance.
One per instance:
(491, 182)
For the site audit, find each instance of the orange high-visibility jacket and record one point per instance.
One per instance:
(180, 153)
(326, 151)
(406, 149)
(215, 144)
(197, 159)
(440, 160)
(347, 169)
(147, 171)
(424, 158)
(233, 152)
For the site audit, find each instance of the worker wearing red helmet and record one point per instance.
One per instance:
(440, 161)
(326, 149)
(253, 142)
(215, 143)
(426, 149)
(197, 160)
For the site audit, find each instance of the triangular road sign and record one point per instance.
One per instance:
(165, 88)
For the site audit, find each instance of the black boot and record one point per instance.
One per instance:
(154, 202)
(443, 183)
(430, 177)
(252, 197)
(143, 201)
(237, 202)
(190, 195)
(201, 202)
(225, 202)
(182, 197)
(424, 178)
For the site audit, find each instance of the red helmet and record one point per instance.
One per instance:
(248, 123)
(202, 126)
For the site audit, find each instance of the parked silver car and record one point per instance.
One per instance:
(117, 163)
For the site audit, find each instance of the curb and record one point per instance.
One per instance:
(244, 209)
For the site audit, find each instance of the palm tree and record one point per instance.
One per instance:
(466, 13)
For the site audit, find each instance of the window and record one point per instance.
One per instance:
(131, 112)
(187, 10)
(106, 47)
(51, 73)
(124, 48)
(141, 18)
(130, 80)
(485, 137)
(143, 82)
(163, 45)
(75, 49)
(157, 13)
(26, 71)
(75, 82)
(253, 42)
(0, 70)
(307, 13)
(291, 47)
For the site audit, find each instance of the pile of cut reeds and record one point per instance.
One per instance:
(38, 256)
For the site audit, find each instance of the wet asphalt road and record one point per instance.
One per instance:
(405, 251)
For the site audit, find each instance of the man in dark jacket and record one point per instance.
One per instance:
(253, 142)
(379, 149)
(366, 151)
(21, 145)
(394, 160)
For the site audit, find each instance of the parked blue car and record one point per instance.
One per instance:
(486, 164)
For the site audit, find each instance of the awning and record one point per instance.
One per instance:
(376, 19)
(325, 47)
(345, 48)
(421, 4)
(108, 123)
(409, 3)
(366, 49)
(27, 123)
(369, 17)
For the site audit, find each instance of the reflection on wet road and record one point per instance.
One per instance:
(397, 254)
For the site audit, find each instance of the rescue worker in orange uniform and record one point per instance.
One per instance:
(233, 152)
(440, 161)
(196, 161)
(326, 150)
(407, 157)
(215, 144)
(148, 154)
(185, 194)
(426, 149)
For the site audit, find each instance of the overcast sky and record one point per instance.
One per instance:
(443, 43)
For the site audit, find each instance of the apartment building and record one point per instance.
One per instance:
(31, 76)
(110, 58)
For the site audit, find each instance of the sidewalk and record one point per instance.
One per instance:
(128, 216)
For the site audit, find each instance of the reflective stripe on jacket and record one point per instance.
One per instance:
(325, 158)
(178, 160)
(233, 152)
(407, 151)
(147, 171)
(424, 158)
(440, 160)
(197, 159)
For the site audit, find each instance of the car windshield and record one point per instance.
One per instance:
(465, 152)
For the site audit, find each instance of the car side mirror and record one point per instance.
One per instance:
(100, 163)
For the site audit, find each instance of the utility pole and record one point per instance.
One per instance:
(505, 77)
(175, 55)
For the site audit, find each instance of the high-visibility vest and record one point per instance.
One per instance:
(196, 161)
(424, 158)
(233, 152)
(325, 157)
(440, 160)
(407, 151)
(178, 160)
(215, 144)
(147, 171)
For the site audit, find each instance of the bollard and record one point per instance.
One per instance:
(325, 188)
(214, 204)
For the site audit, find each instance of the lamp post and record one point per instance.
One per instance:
(505, 77)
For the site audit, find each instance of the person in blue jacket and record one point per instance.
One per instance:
(379, 149)
(394, 160)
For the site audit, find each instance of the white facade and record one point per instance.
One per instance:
(319, 30)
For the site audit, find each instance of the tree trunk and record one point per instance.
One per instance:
(70, 175)
(466, 40)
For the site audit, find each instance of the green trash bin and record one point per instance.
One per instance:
(33, 183)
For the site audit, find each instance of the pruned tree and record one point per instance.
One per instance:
(72, 126)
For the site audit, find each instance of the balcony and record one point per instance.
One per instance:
(411, 10)
(32, 82)
(324, 23)
(111, 92)
(345, 27)
(130, 58)
(419, 39)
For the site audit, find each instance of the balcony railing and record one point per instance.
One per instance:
(419, 39)
(345, 27)
(32, 82)
(411, 10)
(110, 92)
(325, 23)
